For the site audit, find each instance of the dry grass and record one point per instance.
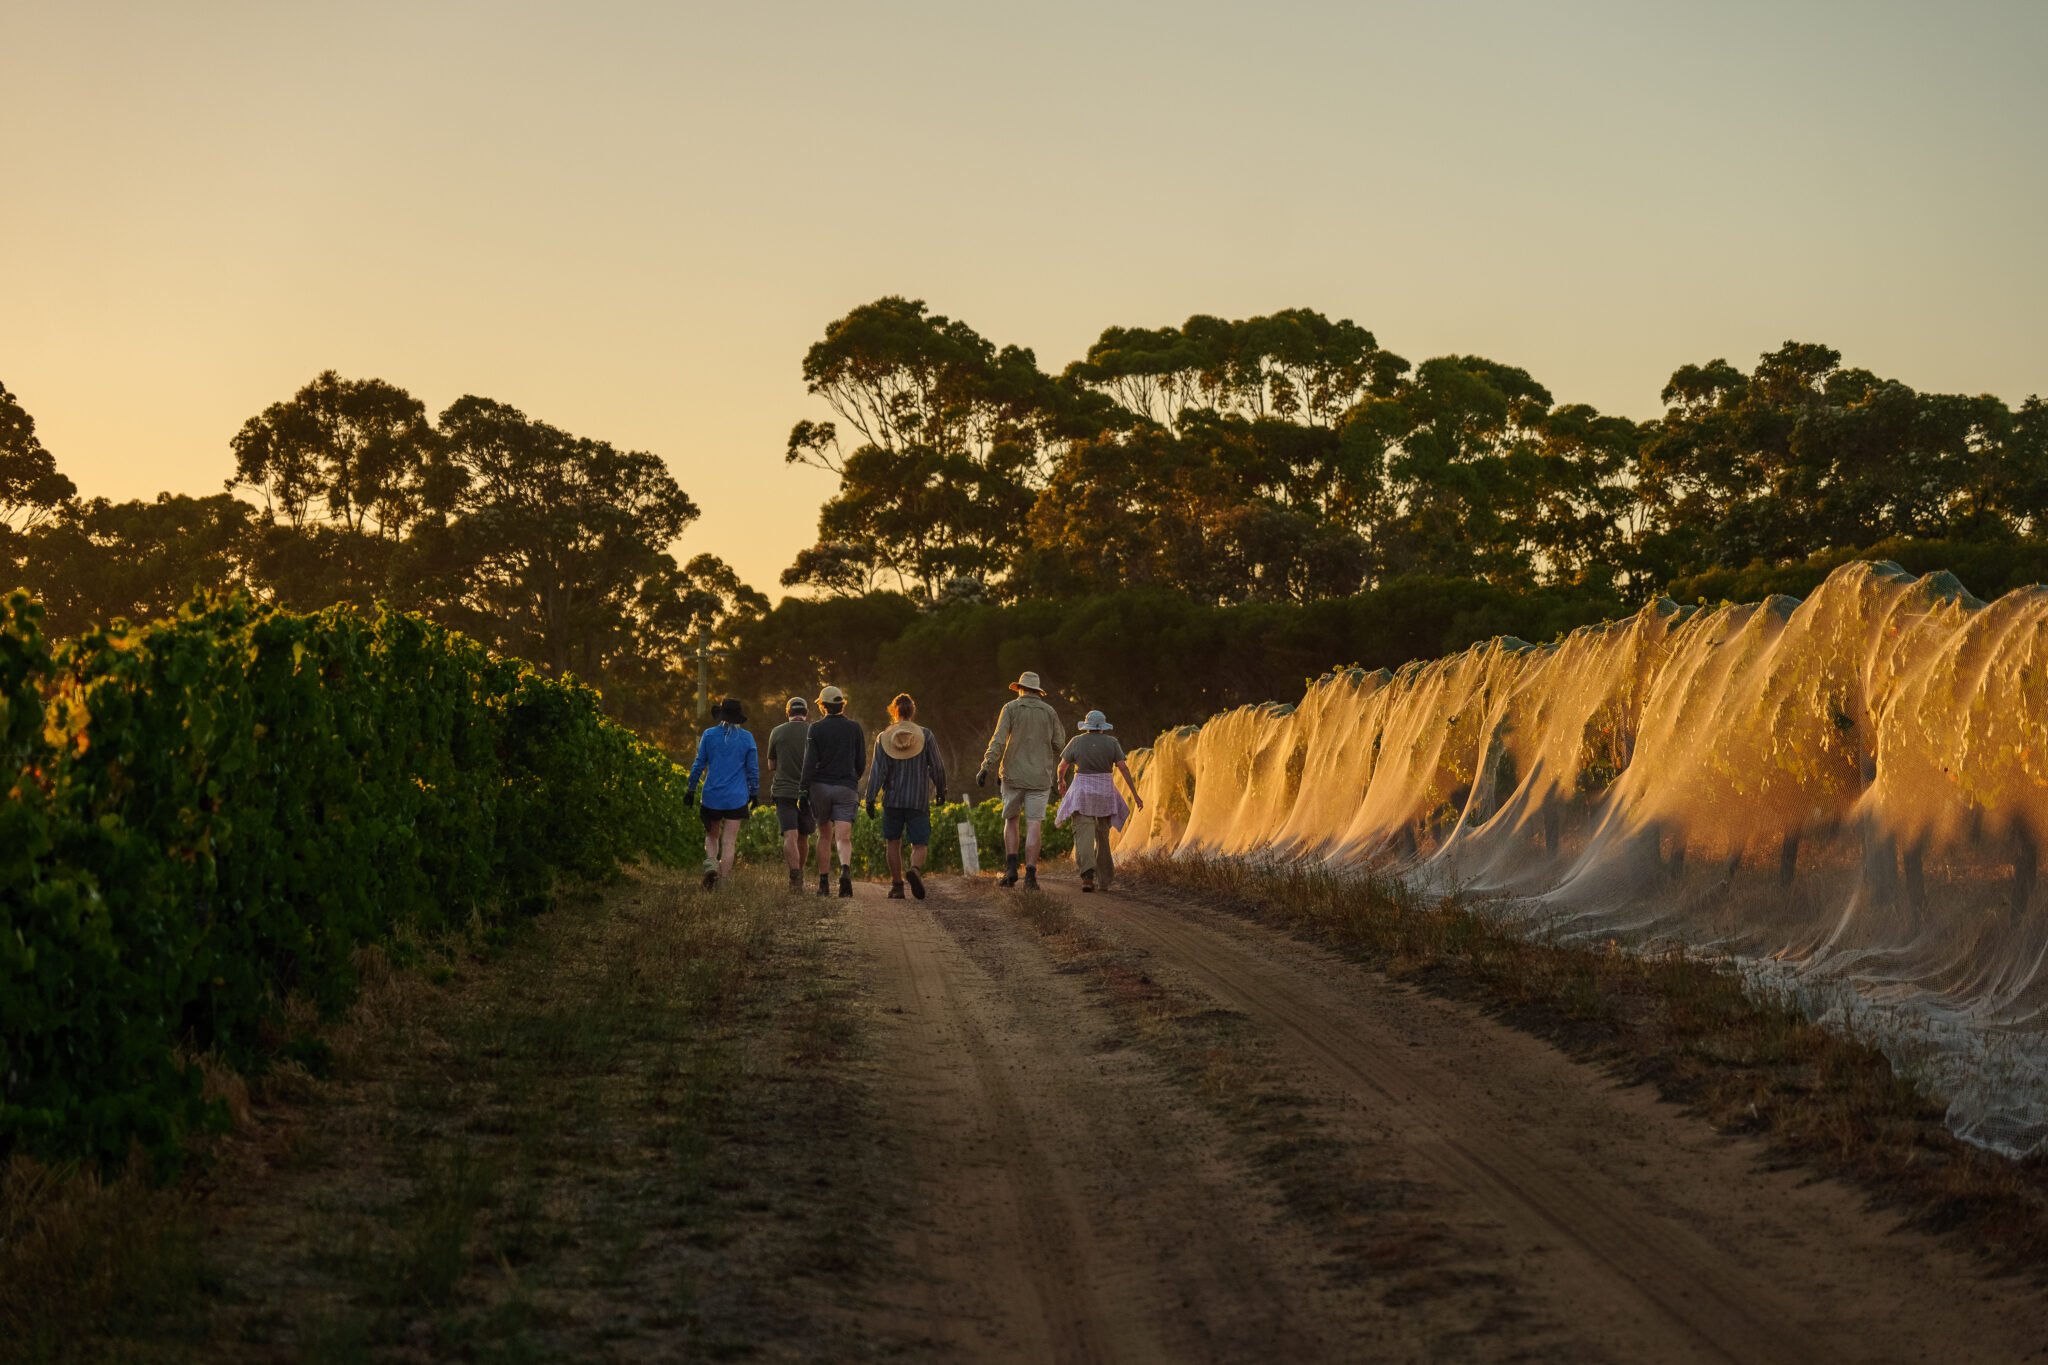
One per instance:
(1677, 1020)
(86, 1262)
(598, 1140)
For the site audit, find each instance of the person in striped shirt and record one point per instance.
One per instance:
(906, 774)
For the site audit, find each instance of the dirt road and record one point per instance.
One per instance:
(1075, 1195)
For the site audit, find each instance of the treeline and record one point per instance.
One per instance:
(1290, 458)
(544, 546)
(1152, 659)
(1185, 519)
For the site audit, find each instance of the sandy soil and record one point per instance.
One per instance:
(1073, 1199)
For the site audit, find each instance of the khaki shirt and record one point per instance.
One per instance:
(1026, 745)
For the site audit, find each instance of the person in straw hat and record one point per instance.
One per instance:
(835, 757)
(1091, 800)
(730, 768)
(1024, 751)
(906, 774)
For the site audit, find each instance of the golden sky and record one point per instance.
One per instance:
(631, 219)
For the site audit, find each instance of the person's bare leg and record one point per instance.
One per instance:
(1032, 830)
(730, 844)
(825, 848)
(896, 861)
(917, 855)
(842, 831)
(710, 843)
(793, 850)
(1010, 823)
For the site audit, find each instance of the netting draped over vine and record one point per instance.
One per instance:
(1847, 794)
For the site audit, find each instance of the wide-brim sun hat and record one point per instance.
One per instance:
(1027, 681)
(730, 709)
(1095, 720)
(903, 740)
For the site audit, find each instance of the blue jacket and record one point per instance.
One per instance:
(730, 766)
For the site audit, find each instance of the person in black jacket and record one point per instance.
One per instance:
(835, 757)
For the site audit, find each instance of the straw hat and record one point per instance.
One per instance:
(904, 739)
(1095, 720)
(1027, 681)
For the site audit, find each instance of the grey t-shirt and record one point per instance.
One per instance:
(1093, 751)
(786, 750)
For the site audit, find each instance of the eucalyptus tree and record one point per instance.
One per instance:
(946, 440)
(32, 491)
(552, 539)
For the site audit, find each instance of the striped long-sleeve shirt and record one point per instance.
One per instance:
(907, 783)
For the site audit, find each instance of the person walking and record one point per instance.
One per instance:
(730, 768)
(1023, 751)
(835, 757)
(786, 745)
(906, 774)
(1091, 799)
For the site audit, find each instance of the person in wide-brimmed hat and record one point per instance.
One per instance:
(835, 757)
(906, 774)
(730, 767)
(1092, 801)
(1024, 750)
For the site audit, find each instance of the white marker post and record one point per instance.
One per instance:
(970, 851)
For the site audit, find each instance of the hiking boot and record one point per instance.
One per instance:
(1009, 877)
(895, 891)
(710, 879)
(1031, 879)
(916, 882)
(796, 880)
(824, 883)
(845, 883)
(1088, 880)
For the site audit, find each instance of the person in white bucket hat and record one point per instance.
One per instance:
(1024, 750)
(1092, 801)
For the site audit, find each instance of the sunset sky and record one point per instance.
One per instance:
(631, 219)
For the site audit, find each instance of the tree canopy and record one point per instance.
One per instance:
(1290, 458)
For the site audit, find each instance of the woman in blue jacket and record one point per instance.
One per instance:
(730, 768)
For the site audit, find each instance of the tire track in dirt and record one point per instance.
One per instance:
(1655, 1268)
(1067, 1204)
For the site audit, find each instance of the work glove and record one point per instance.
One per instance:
(690, 797)
(751, 803)
(981, 778)
(871, 810)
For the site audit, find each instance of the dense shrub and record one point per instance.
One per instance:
(1150, 659)
(212, 812)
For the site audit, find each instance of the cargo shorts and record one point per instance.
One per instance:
(1019, 800)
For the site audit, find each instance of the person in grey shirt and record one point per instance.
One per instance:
(786, 744)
